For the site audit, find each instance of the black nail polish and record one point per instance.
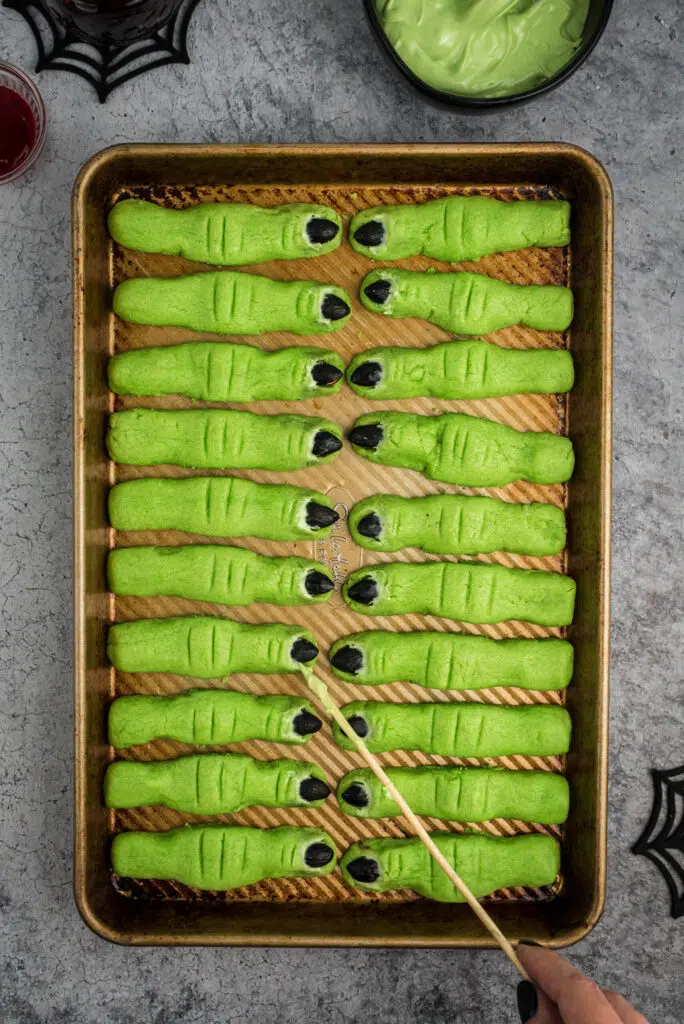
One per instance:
(334, 308)
(364, 591)
(363, 869)
(325, 374)
(325, 443)
(370, 526)
(379, 291)
(367, 375)
(305, 724)
(356, 795)
(367, 435)
(359, 725)
(317, 583)
(528, 1003)
(320, 230)
(318, 855)
(318, 516)
(370, 234)
(348, 660)
(303, 650)
(312, 789)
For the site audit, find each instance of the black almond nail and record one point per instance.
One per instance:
(367, 375)
(318, 855)
(364, 591)
(318, 516)
(325, 374)
(370, 234)
(370, 526)
(312, 789)
(379, 291)
(359, 725)
(367, 435)
(528, 1003)
(316, 583)
(320, 230)
(356, 795)
(303, 650)
(334, 308)
(363, 869)
(347, 659)
(305, 724)
(325, 443)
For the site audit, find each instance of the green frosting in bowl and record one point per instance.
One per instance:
(484, 48)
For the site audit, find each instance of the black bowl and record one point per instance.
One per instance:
(597, 19)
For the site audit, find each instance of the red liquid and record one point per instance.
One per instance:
(18, 130)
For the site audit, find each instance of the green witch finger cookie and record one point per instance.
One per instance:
(215, 783)
(230, 234)
(461, 449)
(209, 572)
(229, 302)
(457, 524)
(459, 228)
(460, 369)
(485, 863)
(466, 303)
(211, 716)
(220, 506)
(452, 661)
(224, 857)
(207, 647)
(458, 730)
(223, 372)
(459, 794)
(221, 439)
(465, 591)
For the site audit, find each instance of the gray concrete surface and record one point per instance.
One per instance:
(303, 71)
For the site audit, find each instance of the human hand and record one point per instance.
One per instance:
(562, 995)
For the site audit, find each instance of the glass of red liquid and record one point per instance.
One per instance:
(22, 123)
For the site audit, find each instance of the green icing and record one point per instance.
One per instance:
(468, 303)
(216, 507)
(222, 372)
(209, 783)
(462, 228)
(219, 857)
(461, 730)
(209, 572)
(217, 439)
(463, 369)
(230, 234)
(484, 48)
(206, 716)
(456, 661)
(467, 592)
(466, 450)
(485, 863)
(203, 646)
(457, 524)
(229, 302)
(462, 794)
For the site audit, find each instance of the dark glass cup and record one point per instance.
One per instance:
(112, 22)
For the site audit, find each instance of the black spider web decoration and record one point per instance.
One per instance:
(662, 841)
(105, 66)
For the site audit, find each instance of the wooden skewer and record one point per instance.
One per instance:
(319, 688)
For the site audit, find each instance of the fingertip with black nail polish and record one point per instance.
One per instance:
(528, 1004)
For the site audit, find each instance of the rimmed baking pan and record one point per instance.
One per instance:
(325, 911)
